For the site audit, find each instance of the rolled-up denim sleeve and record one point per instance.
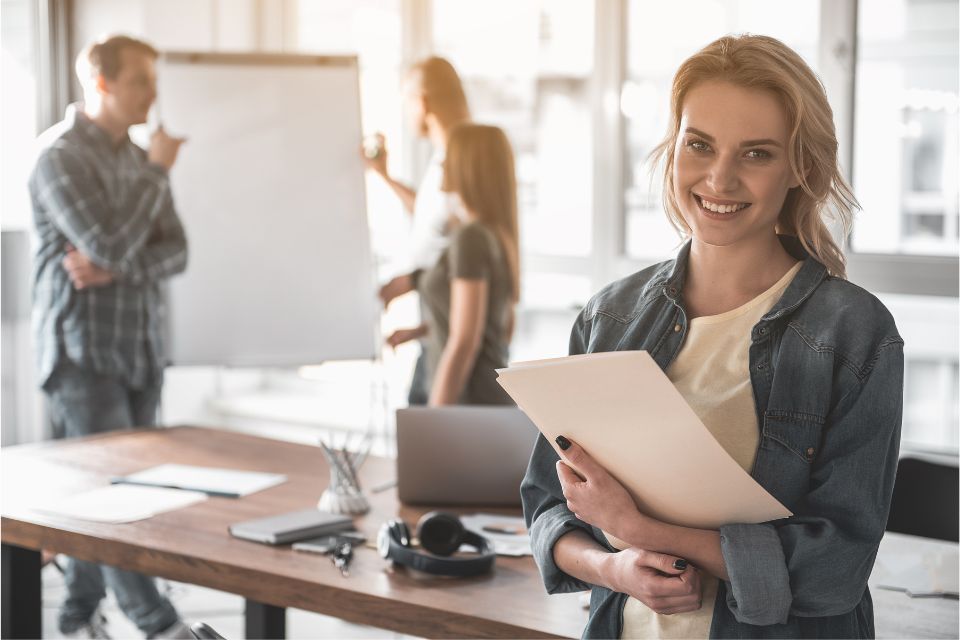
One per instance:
(544, 507)
(548, 518)
(817, 562)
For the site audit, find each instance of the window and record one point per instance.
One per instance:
(527, 67)
(19, 113)
(906, 127)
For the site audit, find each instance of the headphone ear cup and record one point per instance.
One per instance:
(440, 533)
(400, 532)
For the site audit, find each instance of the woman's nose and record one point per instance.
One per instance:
(723, 176)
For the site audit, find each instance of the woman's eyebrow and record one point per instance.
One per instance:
(746, 143)
(697, 132)
(761, 142)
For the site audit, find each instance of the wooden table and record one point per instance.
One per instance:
(192, 544)
(897, 615)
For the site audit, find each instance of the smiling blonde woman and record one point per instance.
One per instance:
(796, 372)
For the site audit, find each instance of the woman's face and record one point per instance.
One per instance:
(730, 168)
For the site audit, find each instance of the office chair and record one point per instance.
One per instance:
(925, 500)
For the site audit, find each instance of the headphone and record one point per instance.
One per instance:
(441, 534)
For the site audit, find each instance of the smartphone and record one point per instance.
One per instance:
(326, 544)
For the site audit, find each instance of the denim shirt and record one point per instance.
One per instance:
(826, 367)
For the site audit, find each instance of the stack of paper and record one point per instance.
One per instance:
(624, 411)
(122, 503)
(507, 534)
(228, 483)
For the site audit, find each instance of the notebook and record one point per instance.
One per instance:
(290, 527)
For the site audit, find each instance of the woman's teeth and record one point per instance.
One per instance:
(723, 208)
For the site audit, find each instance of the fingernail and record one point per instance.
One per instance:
(680, 564)
(563, 443)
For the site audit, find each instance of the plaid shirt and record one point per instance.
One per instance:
(116, 208)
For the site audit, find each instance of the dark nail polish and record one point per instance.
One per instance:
(680, 564)
(563, 443)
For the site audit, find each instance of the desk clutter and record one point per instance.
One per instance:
(158, 489)
(441, 535)
(343, 494)
(291, 527)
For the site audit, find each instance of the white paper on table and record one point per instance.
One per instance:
(122, 503)
(917, 565)
(211, 480)
(624, 411)
(492, 527)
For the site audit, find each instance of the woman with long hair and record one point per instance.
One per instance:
(795, 371)
(469, 294)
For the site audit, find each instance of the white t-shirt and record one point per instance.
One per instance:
(432, 212)
(712, 373)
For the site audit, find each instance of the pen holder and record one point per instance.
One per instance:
(344, 494)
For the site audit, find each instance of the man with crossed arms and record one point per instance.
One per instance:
(107, 235)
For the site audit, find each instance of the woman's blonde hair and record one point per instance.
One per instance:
(761, 62)
(479, 167)
(440, 84)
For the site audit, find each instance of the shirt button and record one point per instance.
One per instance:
(763, 330)
(676, 328)
(760, 367)
(810, 452)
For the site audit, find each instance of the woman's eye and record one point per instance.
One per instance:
(758, 154)
(698, 145)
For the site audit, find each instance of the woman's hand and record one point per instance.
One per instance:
(593, 495)
(374, 153)
(396, 288)
(400, 336)
(664, 583)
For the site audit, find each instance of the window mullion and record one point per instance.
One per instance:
(608, 211)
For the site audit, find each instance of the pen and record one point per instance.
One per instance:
(383, 486)
(509, 531)
(210, 492)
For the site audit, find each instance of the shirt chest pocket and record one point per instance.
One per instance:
(789, 447)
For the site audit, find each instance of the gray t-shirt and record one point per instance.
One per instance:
(474, 253)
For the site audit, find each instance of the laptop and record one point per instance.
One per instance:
(462, 455)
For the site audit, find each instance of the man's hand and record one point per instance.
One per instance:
(375, 155)
(164, 148)
(83, 273)
(396, 288)
(592, 494)
(400, 336)
(664, 583)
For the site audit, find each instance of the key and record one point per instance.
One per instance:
(342, 556)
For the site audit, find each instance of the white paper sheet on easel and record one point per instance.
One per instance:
(624, 411)
(122, 503)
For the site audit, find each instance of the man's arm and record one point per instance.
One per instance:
(378, 163)
(165, 253)
(105, 235)
(78, 205)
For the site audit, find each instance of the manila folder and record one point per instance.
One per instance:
(624, 411)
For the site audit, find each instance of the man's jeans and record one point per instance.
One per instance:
(83, 402)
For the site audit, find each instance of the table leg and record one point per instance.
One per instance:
(265, 621)
(21, 608)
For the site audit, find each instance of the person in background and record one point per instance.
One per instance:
(469, 294)
(437, 104)
(796, 372)
(107, 236)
